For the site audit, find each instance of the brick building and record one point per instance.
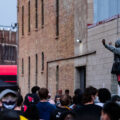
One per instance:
(56, 48)
(46, 44)
(8, 47)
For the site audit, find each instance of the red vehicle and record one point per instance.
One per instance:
(8, 76)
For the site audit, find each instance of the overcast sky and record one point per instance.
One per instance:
(8, 12)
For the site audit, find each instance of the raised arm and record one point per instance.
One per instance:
(111, 48)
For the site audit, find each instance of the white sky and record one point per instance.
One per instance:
(8, 12)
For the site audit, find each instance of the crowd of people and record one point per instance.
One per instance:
(92, 104)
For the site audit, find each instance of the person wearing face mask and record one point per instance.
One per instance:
(8, 99)
(116, 50)
(104, 95)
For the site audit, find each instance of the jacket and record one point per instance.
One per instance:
(116, 51)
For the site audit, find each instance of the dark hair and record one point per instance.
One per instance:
(64, 100)
(104, 95)
(35, 89)
(77, 98)
(112, 110)
(27, 100)
(115, 98)
(19, 100)
(78, 91)
(67, 91)
(64, 115)
(89, 92)
(43, 93)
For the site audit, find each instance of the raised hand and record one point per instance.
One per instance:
(103, 41)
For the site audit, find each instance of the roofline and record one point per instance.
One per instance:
(104, 21)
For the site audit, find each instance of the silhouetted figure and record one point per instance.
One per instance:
(110, 111)
(116, 50)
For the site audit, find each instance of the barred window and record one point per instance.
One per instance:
(9, 53)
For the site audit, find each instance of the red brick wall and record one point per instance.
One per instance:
(44, 40)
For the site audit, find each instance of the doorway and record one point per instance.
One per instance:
(80, 81)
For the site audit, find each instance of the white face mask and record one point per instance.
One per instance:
(96, 100)
(118, 102)
(10, 107)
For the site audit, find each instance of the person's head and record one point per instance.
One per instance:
(104, 95)
(66, 92)
(77, 98)
(8, 98)
(35, 89)
(117, 43)
(29, 100)
(110, 111)
(60, 92)
(78, 91)
(89, 95)
(116, 99)
(64, 100)
(69, 115)
(43, 93)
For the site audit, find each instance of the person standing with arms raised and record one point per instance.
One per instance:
(116, 50)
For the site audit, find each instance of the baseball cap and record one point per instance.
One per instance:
(7, 91)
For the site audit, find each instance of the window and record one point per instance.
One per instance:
(57, 78)
(36, 71)
(57, 18)
(29, 74)
(42, 61)
(22, 66)
(22, 20)
(9, 53)
(42, 12)
(28, 16)
(36, 14)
